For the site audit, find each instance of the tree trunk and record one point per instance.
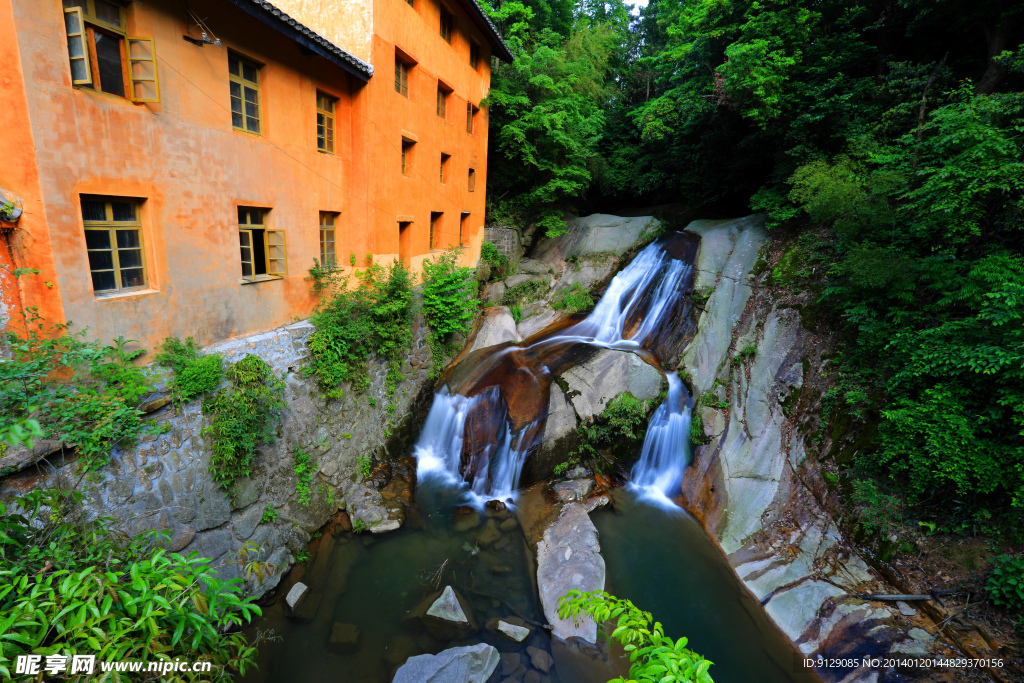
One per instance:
(997, 37)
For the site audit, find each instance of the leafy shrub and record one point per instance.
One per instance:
(524, 293)
(374, 316)
(1006, 584)
(73, 586)
(449, 301)
(269, 515)
(572, 299)
(242, 417)
(517, 312)
(58, 386)
(653, 656)
(743, 354)
(697, 435)
(365, 466)
(490, 255)
(619, 430)
(305, 469)
(194, 373)
(879, 512)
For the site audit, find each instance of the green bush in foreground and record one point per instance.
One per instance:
(1006, 584)
(653, 656)
(70, 586)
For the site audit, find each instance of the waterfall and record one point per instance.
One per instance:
(638, 302)
(659, 471)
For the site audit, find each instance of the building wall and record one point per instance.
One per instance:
(346, 23)
(191, 170)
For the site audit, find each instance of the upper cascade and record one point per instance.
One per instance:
(479, 432)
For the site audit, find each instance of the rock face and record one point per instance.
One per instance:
(164, 482)
(749, 485)
(569, 557)
(496, 327)
(607, 374)
(594, 234)
(473, 664)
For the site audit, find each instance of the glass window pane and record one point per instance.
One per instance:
(236, 91)
(129, 258)
(249, 72)
(78, 70)
(252, 125)
(76, 47)
(251, 109)
(76, 3)
(108, 12)
(123, 211)
(237, 120)
(97, 239)
(246, 269)
(108, 61)
(100, 260)
(132, 278)
(234, 65)
(242, 216)
(251, 96)
(93, 210)
(128, 239)
(103, 281)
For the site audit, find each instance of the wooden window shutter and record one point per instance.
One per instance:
(142, 68)
(78, 53)
(277, 262)
(245, 242)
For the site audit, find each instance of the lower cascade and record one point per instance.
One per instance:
(639, 305)
(666, 451)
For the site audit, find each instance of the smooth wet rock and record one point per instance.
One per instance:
(515, 633)
(497, 326)
(472, 664)
(905, 609)
(528, 327)
(569, 557)
(595, 382)
(447, 607)
(595, 234)
(494, 292)
(541, 659)
(295, 594)
(520, 279)
(489, 535)
(508, 525)
(344, 637)
(536, 267)
(573, 490)
(466, 518)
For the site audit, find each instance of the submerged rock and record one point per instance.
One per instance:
(541, 659)
(295, 594)
(515, 633)
(447, 607)
(344, 637)
(448, 617)
(569, 557)
(473, 664)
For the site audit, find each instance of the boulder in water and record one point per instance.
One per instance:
(573, 490)
(447, 618)
(513, 632)
(595, 382)
(569, 557)
(473, 664)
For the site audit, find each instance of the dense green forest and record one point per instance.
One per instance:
(884, 139)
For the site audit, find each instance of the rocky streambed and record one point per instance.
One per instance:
(739, 555)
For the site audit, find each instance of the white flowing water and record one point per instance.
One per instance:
(659, 471)
(653, 282)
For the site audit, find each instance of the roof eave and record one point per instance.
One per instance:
(306, 37)
(498, 47)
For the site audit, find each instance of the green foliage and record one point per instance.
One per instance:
(546, 114)
(59, 386)
(364, 466)
(498, 262)
(194, 374)
(653, 656)
(572, 299)
(73, 586)
(743, 354)
(878, 512)
(618, 431)
(524, 293)
(697, 435)
(305, 469)
(302, 556)
(243, 417)
(358, 526)
(372, 317)
(449, 302)
(269, 515)
(517, 313)
(1006, 583)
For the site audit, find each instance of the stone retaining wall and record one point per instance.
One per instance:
(164, 482)
(508, 241)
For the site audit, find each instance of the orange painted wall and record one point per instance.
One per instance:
(182, 158)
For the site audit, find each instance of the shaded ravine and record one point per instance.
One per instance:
(482, 426)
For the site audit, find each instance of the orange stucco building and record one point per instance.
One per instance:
(180, 165)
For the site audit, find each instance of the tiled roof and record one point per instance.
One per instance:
(501, 50)
(307, 37)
